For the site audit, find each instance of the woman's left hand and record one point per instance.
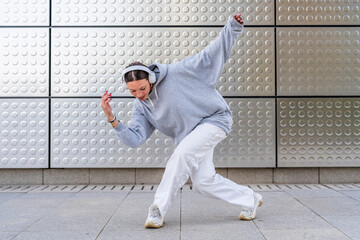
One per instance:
(239, 19)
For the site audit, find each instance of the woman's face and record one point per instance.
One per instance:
(139, 88)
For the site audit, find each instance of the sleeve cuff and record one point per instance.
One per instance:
(120, 127)
(235, 25)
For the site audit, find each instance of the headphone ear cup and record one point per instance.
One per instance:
(123, 83)
(152, 78)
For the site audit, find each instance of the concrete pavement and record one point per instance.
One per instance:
(106, 212)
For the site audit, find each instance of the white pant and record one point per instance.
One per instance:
(194, 157)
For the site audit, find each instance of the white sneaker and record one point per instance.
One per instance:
(154, 219)
(250, 214)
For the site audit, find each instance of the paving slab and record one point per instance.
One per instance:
(281, 212)
(154, 234)
(226, 234)
(102, 212)
(349, 225)
(132, 213)
(7, 235)
(46, 195)
(280, 204)
(15, 220)
(7, 196)
(57, 235)
(129, 219)
(308, 234)
(199, 212)
(32, 203)
(332, 206)
(352, 194)
(321, 193)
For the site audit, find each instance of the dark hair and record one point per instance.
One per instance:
(136, 74)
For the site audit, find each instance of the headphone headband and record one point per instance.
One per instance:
(152, 77)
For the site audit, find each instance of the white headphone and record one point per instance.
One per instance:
(152, 77)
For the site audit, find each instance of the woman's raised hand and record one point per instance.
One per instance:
(105, 105)
(239, 19)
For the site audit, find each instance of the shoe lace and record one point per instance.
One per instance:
(155, 212)
(247, 210)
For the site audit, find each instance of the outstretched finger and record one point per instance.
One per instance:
(104, 93)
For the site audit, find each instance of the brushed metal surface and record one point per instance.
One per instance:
(329, 12)
(319, 132)
(86, 61)
(24, 13)
(160, 12)
(318, 61)
(24, 133)
(24, 62)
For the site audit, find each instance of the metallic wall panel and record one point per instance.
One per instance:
(85, 61)
(81, 137)
(329, 12)
(251, 142)
(24, 13)
(250, 71)
(24, 62)
(319, 132)
(318, 61)
(24, 133)
(160, 12)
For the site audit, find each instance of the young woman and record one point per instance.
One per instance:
(181, 101)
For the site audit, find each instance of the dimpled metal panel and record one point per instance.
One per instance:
(311, 12)
(250, 69)
(251, 142)
(24, 128)
(321, 61)
(24, 62)
(160, 12)
(22, 13)
(321, 132)
(85, 62)
(82, 137)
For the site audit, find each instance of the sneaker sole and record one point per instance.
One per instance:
(152, 225)
(249, 219)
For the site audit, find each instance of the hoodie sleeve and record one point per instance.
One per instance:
(138, 131)
(209, 63)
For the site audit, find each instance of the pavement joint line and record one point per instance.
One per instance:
(318, 215)
(107, 222)
(342, 193)
(42, 216)
(28, 226)
(262, 234)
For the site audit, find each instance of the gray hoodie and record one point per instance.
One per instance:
(184, 94)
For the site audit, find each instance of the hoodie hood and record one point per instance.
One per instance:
(160, 71)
